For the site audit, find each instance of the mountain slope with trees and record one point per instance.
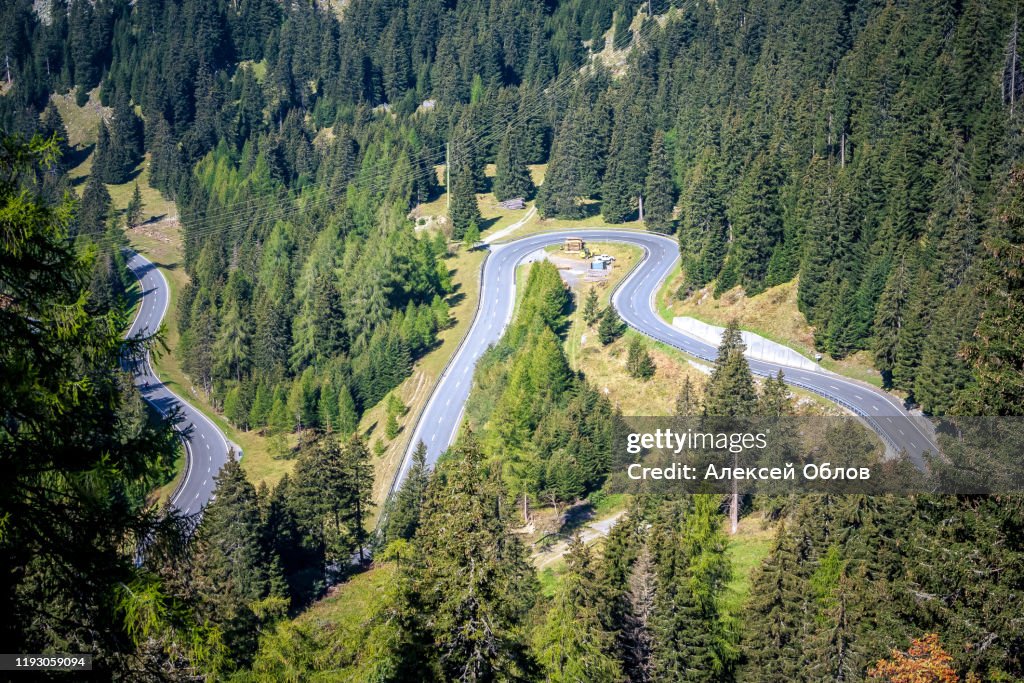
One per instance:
(872, 150)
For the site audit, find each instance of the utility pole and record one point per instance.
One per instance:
(640, 200)
(7, 62)
(448, 176)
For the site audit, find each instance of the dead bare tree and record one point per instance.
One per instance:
(1013, 79)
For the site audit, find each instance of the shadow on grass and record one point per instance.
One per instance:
(74, 158)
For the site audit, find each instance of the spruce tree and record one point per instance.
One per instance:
(911, 336)
(688, 402)
(590, 307)
(133, 212)
(611, 327)
(463, 211)
(108, 286)
(772, 643)
(637, 627)
(691, 637)
(93, 208)
(757, 224)
(331, 497)
(639, 363)
(404, 514)
(290, 544)
(617, 202)
(357, 491)
(512, 177)
(775, 397)
(703, 231)
(104, 159)
(166, 164)
(944, 376)
(851, 584)
(572, 643)
(627, 165)
(842, 335)
(575, 163)
(119, 145)
(892, 312)
(730, 391)
(126, 141)
(474, 582)
(51, 124)
(659, 190)
(235, 572)
(820, 209)
(469, 153)
(996, 352)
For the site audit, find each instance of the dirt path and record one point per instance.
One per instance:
(505, 232)
(589, 532)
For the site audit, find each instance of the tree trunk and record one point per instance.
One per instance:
(734, 509)
(359, 521)
(734, 506)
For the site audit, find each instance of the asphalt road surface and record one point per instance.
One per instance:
(635, 301)
(205, 445)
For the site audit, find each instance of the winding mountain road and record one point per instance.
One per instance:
(205, 445)
(634, 299)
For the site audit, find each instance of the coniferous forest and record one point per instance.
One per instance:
(869, 151)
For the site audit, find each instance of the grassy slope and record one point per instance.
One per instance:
(349, 603)
(431, 215)
(333, 628)
(773, 314)
(605, 366)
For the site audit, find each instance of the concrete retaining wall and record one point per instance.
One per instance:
(757, 346)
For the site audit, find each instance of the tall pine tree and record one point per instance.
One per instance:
(236, 574)
(512, 177)
(572, 643)
(474, 583)
(659, 189)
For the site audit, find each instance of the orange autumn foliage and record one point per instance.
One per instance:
(924, 662)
